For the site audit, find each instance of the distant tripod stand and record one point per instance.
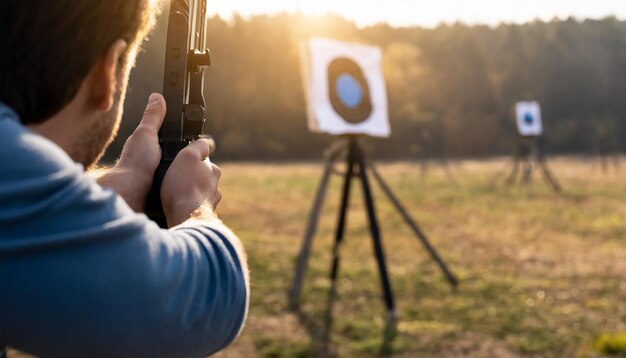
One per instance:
(432, 148)
(606, 146)
(528, 155)
(356, 165)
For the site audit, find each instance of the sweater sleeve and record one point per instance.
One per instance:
(81, 274)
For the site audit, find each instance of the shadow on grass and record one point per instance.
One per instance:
(319, 328)
(389, 336)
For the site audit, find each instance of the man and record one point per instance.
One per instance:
(82, 272)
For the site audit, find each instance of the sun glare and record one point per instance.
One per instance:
(428, 13)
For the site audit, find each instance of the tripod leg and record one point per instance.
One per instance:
(341, 221)
(416, 229)
(528, 173)
(540, 160)
(375, 230)
(305, 252)
(550, 179)
(513, 176)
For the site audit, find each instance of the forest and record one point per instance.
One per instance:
(451, 89)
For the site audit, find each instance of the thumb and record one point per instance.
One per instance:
(154, 113)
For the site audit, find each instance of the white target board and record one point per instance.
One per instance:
(345, 88)
(528, 118)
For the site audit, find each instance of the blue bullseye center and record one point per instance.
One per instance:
(528, 118)
(349, 91)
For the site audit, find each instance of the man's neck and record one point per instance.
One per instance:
(59, 130)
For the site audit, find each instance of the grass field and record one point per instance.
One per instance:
(541, 274)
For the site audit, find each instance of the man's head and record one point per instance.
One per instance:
(65, 64)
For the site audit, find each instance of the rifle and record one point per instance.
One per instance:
(186, 59)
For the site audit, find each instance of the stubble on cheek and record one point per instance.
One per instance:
(92, 145)
(90, 148)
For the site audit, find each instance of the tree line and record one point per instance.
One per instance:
(451, 89)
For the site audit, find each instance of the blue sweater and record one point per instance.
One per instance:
(83, 275)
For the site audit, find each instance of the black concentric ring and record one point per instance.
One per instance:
(363, 110)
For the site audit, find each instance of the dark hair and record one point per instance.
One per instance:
(47, 48)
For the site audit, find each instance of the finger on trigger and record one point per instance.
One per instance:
(154, 114)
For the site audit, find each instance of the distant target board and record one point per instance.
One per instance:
(528, 117)
(345, 88)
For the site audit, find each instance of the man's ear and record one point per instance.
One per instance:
(103, 77)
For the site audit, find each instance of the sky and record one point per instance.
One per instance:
(428, 13)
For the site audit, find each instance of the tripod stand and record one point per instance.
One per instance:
(528, 155)
(356, 165)
(432, 147)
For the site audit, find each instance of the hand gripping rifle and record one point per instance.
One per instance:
(186, 58)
